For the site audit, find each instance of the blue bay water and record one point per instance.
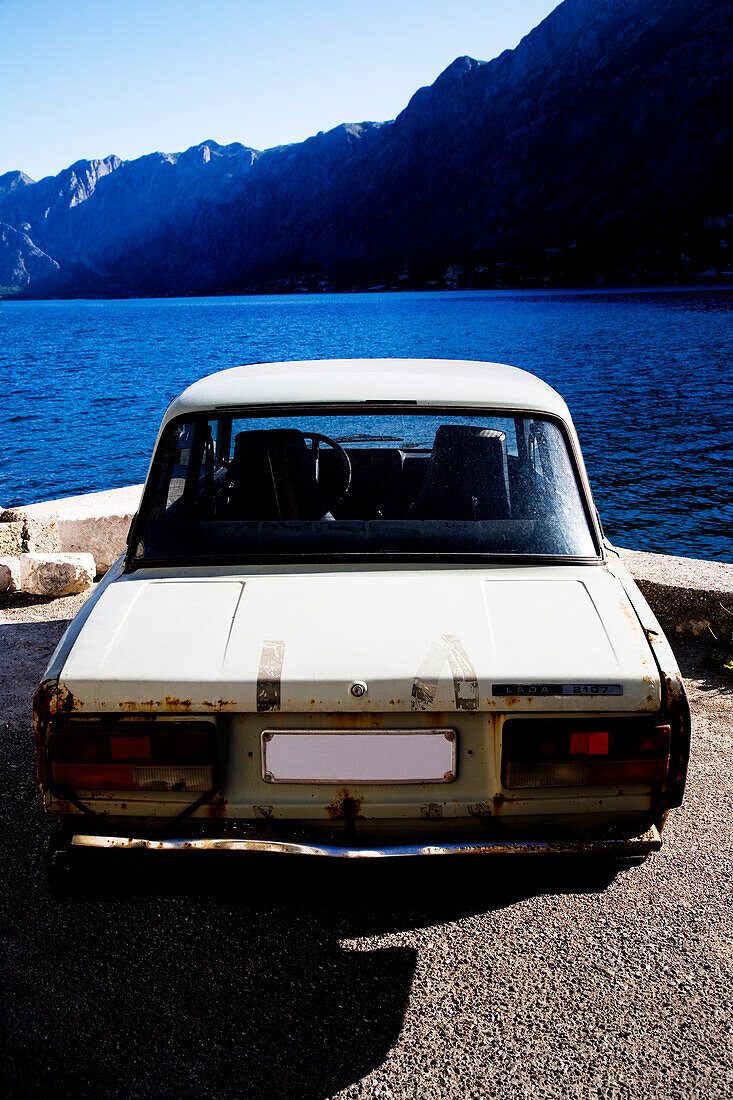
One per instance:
(647, 375)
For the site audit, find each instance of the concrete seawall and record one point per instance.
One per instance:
(690, 597)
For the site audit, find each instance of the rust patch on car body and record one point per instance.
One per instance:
(44, 707)
(628, 612)
(465, 681)
(425, 684)
(345, 806)
(677, 712)
(269, 675)
(50, 699)
(448, 650)
(44, 699)
(172, 702)
(423, 693)
(66, 701)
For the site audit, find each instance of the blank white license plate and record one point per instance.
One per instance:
(349, 756)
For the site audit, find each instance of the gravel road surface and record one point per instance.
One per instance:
(270, 979)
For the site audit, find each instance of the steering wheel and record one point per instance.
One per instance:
(317, 439)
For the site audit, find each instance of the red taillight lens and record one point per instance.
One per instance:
(159, 759)
(559, 753)
(79, 748)
(589, 743)
(129, 748)
(103, 777)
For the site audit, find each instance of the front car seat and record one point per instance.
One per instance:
(467, 476)
(273, 477)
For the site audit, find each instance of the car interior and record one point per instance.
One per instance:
(285, 474)
(277, 487)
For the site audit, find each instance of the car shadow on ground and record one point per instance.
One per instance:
(704, 664)
(214, 975)
(236, 979)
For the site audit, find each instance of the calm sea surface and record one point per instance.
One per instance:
(647, 374)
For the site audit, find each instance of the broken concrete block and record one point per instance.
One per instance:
(56, 574)
(11, 538)
(9, 574)
(96, 523)
(43, 534)
(39, 532)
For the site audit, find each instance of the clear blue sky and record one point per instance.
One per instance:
(85, 78)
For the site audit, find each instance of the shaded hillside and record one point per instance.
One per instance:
(602, 140)
(22, 265)
(596, 130)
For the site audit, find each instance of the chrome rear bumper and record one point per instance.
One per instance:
(641, 845)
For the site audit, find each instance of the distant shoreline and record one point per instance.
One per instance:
(545, 291)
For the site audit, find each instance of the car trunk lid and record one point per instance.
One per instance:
(297, 640)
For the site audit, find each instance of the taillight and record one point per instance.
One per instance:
(129, 748)
(589, 743)
(166, 758)
(558, 753)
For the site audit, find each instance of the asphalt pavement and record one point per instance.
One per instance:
(273, 978)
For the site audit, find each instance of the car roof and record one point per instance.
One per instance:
(439, 382)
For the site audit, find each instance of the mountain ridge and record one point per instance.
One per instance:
(601, 134)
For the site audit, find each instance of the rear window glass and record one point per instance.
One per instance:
(392, 483)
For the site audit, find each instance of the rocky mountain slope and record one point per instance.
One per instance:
(604, 135)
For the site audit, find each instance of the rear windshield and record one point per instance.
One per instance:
(367, 484)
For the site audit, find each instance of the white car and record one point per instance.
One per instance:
(366, 609)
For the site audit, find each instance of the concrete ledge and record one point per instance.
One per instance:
(94, 523)
(689, 596)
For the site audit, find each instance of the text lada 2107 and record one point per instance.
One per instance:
(366, 609)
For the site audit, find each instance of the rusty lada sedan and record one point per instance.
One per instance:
(366, 609)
